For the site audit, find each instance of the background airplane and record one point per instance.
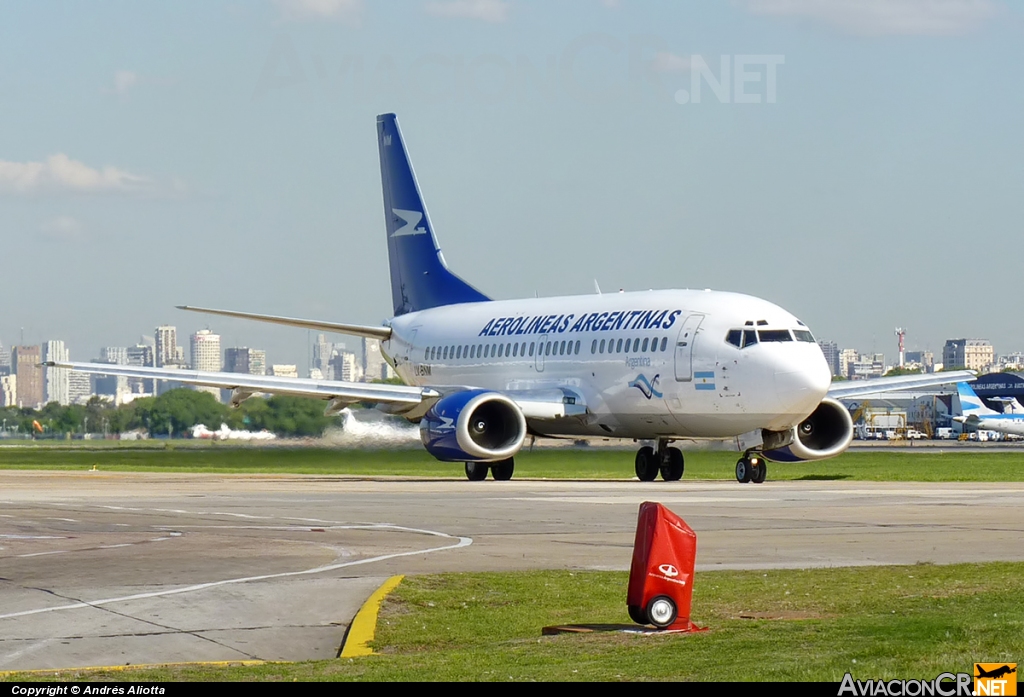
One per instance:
(974, 413)
(653, 366)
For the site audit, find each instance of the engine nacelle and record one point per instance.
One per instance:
(827, 432)
(473, 426)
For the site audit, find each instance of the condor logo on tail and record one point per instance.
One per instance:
(412, 220)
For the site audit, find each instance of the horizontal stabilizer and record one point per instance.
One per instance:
(382, 333)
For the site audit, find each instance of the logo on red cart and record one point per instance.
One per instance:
(669, 570)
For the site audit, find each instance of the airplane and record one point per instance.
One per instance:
(973, 412)
(656, 366)
(996, 672)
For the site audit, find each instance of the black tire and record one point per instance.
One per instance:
(476, 471)
(646, 464)
(672, 466)
(742, 470)
(502, 471)
(662, 611)
(759, 473)
(637, 614)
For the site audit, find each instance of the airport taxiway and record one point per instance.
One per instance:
(107, 569)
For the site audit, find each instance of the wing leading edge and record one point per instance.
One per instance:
(856, 388)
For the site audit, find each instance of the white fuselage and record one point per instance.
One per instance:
(646, 364)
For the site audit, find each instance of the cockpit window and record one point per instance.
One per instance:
(775, 335)
(734, 337)
(749, 338)
(803, 335)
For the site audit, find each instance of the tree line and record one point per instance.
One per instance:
(173, 413)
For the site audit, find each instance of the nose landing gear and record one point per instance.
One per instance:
(751, 468)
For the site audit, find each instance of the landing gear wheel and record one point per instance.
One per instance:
(672, 465)
(637, 614)
(476, 471)
(646, 464)
(502, 471)
(743, 470)
(758, 470)
(661, 611)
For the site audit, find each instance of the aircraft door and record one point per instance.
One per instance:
(684, 348)
(539, 356)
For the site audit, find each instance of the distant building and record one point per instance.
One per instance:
(973, 354)
(26, 361)
(925, 359)
(867, 366)
(285, 371)
(5, 361)
(167, 351)
(847, 357)
(79, 388)
(56, 379)
(245, 360)
(374, 365)
(141, 355)
(345, 367)
(205, 356)
(323, 353)
(830, 350)
(9, 391)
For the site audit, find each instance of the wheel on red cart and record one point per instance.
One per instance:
(661, 611)
(636, 613)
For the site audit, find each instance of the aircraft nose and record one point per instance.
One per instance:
(800, 388)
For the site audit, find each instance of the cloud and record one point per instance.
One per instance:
(345, 10)
(885, 17)
(483, 10)
(63, 228)
(665, 62)
(60, 174)
(124, 80)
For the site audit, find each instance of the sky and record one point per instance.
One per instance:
(860, 163)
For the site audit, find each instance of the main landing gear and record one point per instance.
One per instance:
(666, 461)
(500, 471)
(751, 468)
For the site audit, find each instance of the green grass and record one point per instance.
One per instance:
(934, 465)
(876, 622)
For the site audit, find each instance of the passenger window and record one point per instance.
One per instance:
(636, 345)
(445, 353)
(532, 345)
(593, 347)
(664, 343)
(774, 335)
(734, 337)
(749, 338)
(618, 346)
(515, 350)
(602, 346)
(577, 347)
(458, 352)
(643, 348)
(522, 349)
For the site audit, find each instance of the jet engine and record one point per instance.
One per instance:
(827, 432)
(473, 426)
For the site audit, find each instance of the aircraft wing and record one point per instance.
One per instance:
(410, 402)
(856, 388)
(343, 392)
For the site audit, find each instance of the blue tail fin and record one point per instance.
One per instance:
(420, 279)
(970, 402)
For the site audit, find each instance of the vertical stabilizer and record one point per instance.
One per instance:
(420, 279)
(970, 402)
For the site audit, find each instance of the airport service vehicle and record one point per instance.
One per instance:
(974, 413)
(656, 366)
